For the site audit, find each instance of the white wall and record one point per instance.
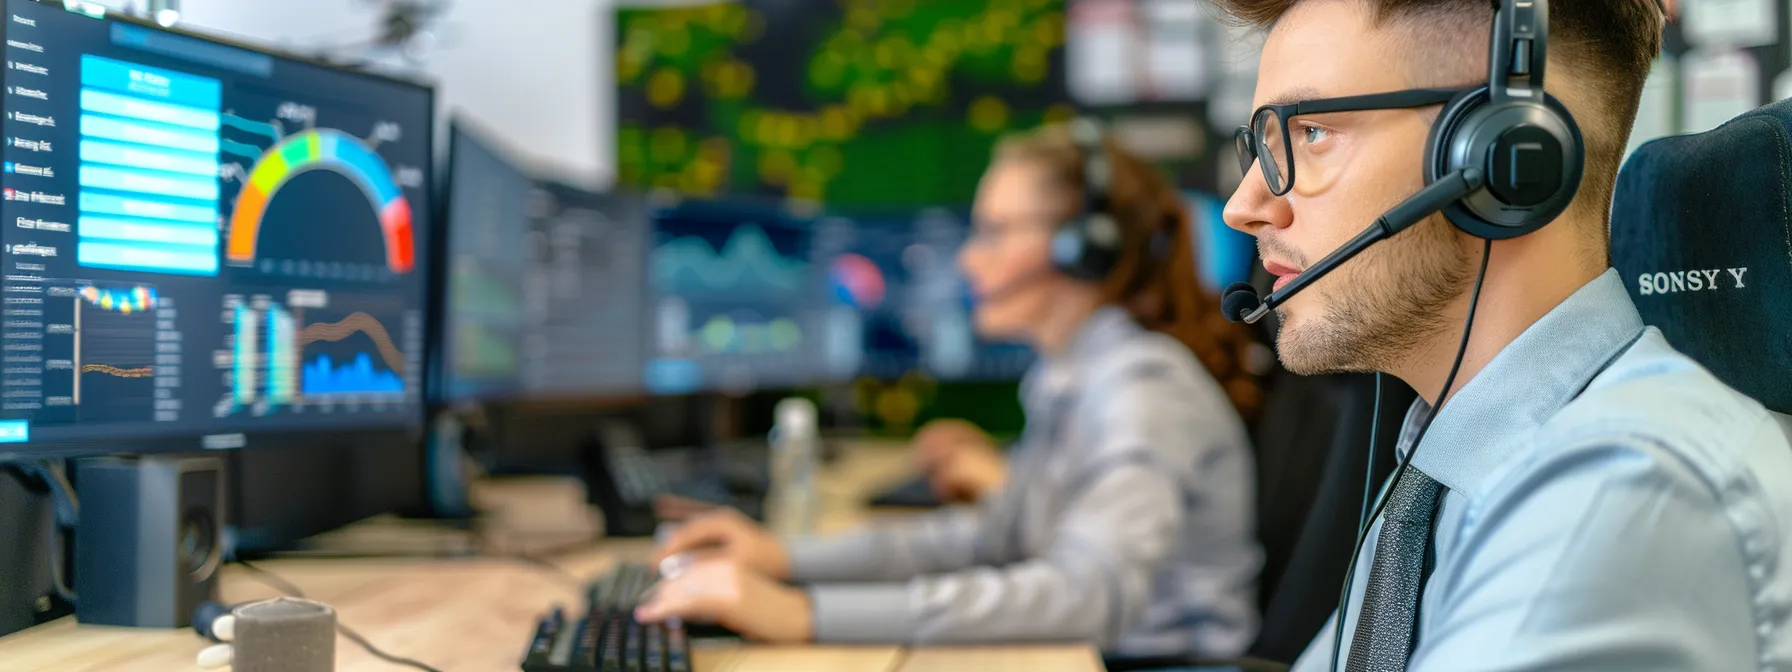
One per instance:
(536, 71)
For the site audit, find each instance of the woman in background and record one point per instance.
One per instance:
(1126, 518)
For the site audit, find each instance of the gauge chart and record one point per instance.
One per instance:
(314, 201)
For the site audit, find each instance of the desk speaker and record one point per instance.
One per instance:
(147, 544)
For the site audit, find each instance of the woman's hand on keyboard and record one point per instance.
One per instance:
(725, 592)
(726, 534)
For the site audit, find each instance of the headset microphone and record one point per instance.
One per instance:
(1241, 302)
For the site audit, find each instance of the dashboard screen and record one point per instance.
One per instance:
(544, 282)
(734, 293)
(898, 305)
(203, 241)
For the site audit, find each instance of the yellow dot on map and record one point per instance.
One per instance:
(1048, 30)
(796, 132)
(689, 182)
(768, 126)
(893, 51)
(775, 166)
(836, 123)
(665, 88)
(708, 174)
(860, 97)
(863, 20)
(988, 114)
(628, 65)
(806, 190)
(735, 79)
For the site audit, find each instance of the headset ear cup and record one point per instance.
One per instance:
(1087, 247)
(1068, 248)
(1471, 131)
(1444, 129)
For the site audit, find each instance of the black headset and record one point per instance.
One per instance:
(1522, 139)
(1088, 246)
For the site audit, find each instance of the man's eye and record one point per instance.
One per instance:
(1312, 134)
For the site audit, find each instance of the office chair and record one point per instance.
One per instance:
(1716, 203)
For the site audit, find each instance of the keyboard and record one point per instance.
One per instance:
(606, 637)
(915, 494)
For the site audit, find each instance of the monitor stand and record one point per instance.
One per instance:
(446, 467)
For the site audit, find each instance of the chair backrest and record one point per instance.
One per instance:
(1702, 233)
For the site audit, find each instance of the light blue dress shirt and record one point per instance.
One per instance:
(1643, 524)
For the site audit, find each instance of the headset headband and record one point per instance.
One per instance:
(1518, 51)
(1087, 133)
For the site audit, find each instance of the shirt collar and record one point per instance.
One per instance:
(1052, 376)
(1536, 375)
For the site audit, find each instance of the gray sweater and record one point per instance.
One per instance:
(1126, 522)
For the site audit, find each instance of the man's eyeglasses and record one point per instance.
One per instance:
(1266, 140)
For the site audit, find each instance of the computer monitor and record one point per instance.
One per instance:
(897, 303)
(205, 245)
(544, 282)
(734, 298)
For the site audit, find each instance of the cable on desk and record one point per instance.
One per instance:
(274, 581)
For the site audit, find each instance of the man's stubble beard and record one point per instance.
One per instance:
(1383, 305)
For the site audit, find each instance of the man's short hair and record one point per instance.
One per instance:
(1608, 46)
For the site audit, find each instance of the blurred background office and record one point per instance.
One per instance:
(631, 229)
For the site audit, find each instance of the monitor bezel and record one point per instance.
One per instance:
(412, 430)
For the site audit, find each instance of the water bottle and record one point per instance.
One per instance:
(795, 451)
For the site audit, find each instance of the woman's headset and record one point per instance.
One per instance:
(1088, 246)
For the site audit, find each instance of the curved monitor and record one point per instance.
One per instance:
(204, 243)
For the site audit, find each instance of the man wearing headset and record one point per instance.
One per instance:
(1586, 497)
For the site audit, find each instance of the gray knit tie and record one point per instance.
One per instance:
(1386, 627)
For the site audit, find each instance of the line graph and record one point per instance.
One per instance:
(246, 125)
(112, 349)
(358, 322)
(242, 149)
(108, 369)
(748, 263)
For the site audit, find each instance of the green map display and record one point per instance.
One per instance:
(885, 103)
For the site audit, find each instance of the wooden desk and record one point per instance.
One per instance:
(476, 614)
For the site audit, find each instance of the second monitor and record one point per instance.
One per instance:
(543, 283)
